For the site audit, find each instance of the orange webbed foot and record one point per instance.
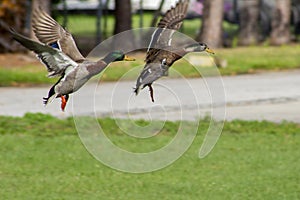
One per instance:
(63, 102)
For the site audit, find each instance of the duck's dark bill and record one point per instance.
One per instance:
(208, 50)
(127, 58)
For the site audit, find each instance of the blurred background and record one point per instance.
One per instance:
(248, 36)
(219, 23)
(257, 157)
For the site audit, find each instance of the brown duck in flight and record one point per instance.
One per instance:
(160, 54)
(59, 53)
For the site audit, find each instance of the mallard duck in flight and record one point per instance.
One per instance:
(160, 54)
(59, 53)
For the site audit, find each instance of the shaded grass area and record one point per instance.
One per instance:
(88, 24)
(85, 25)
(43, 158)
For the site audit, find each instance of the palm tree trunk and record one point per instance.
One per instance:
(211, 30)
(281, 23)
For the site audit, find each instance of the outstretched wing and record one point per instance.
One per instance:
(170, 22)
(156, 59)
(55, 60)
(48, 31)
(173, 18)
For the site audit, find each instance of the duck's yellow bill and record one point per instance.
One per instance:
(208, 50)
(127, 58)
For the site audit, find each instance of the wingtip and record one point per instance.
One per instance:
(136, 91)
(14, 33)
(11, 30)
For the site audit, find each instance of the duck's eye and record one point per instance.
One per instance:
(203, 45)
(164, 61)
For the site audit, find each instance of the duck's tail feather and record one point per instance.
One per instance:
(51, 96)
(47, 100)
(137, 90)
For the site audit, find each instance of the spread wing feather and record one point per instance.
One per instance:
(55, 60)
(170, 22)
(48, 31)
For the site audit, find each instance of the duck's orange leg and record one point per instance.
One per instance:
(63, 102)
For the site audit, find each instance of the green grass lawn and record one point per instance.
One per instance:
(259, 58)
(17, 77)
(43, 158)
(88, 24)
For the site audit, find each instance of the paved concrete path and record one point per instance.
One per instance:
(273, 96)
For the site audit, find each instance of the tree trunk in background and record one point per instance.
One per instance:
(12, 14)
(122, 16)
(280, 33)
(249, 26)
(123, 23)
(211, 30)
